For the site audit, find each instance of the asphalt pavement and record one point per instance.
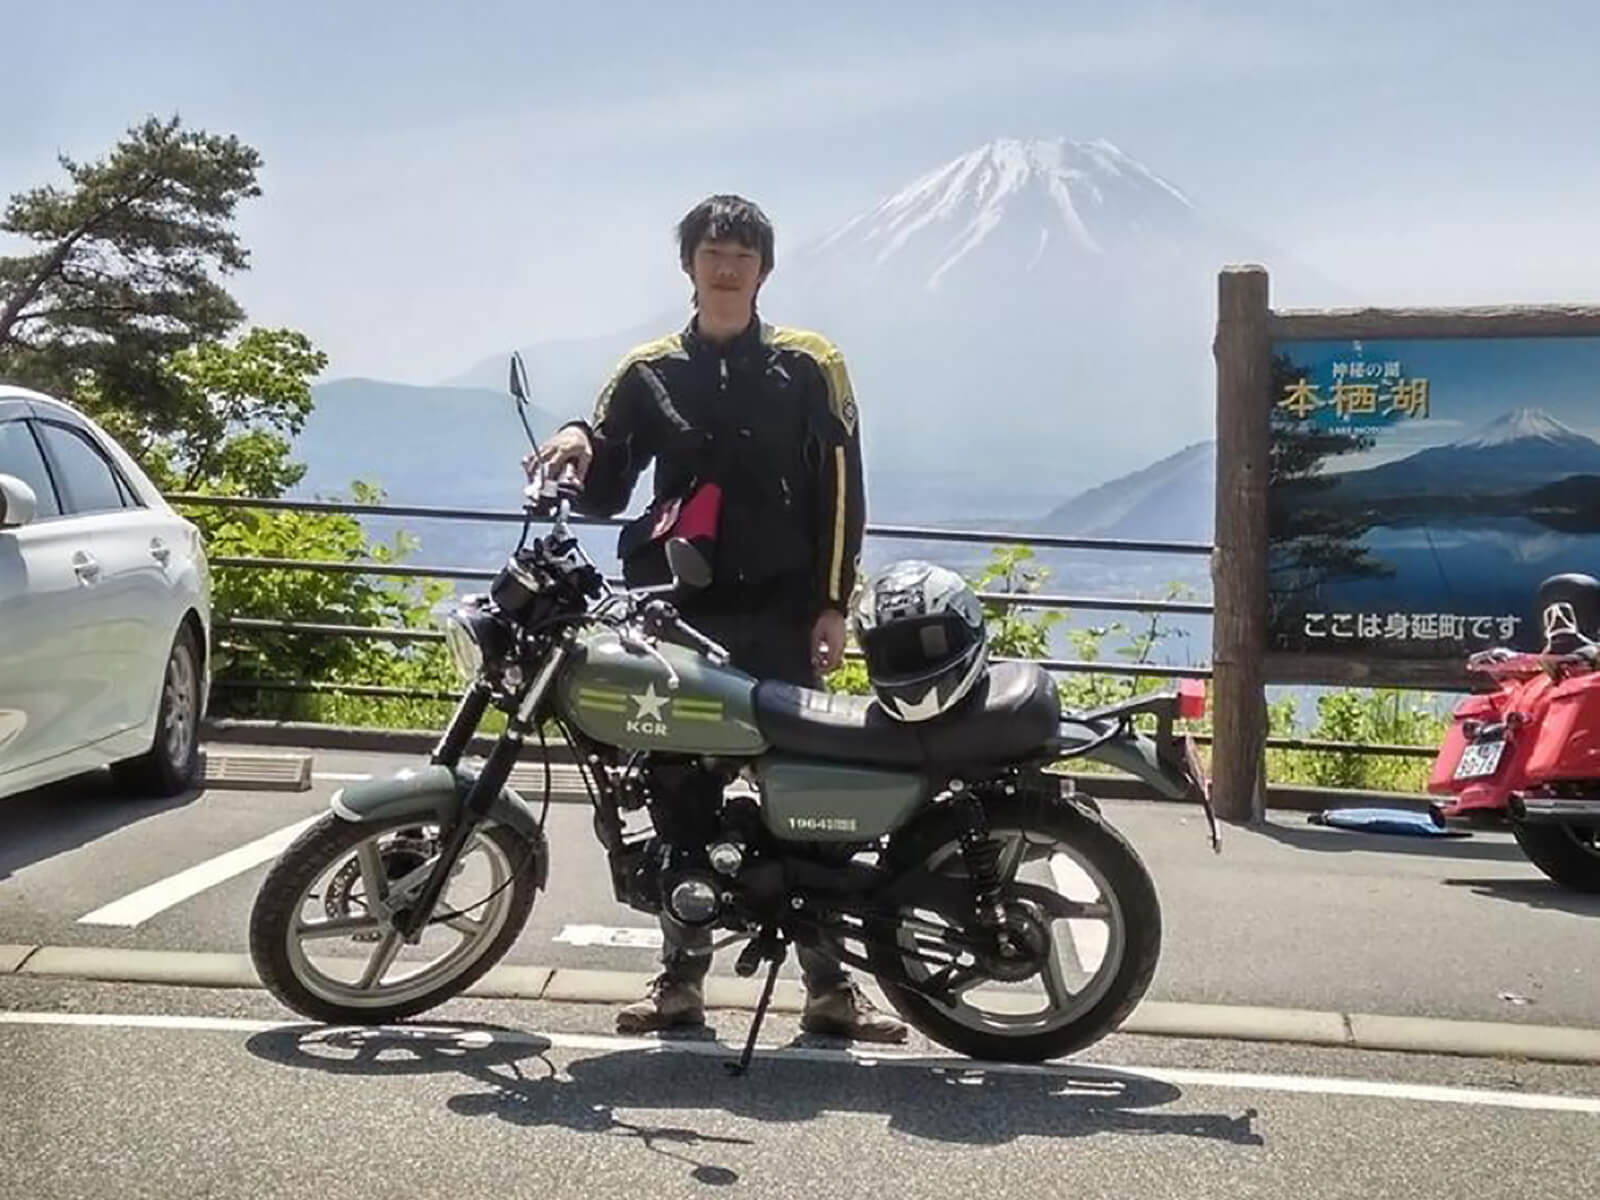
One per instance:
(141, 1059)
(156, 1092)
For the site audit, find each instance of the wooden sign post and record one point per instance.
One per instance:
(1239, 556)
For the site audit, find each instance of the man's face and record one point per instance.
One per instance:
(726, 276)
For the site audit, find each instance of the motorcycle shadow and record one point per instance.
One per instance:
(944, 1100)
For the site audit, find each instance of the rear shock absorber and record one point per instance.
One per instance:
(981, 853)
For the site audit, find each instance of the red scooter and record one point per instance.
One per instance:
(1530, 749)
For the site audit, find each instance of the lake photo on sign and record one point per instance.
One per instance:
(1420, 490)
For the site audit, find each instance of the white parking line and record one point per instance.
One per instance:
(1091, 1074)
(340, 776)
(138, 907)
(634, 938)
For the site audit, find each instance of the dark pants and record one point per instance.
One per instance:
(768, 642)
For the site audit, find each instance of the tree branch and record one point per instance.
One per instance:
(58, 257)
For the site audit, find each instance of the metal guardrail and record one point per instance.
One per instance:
(1027, 600)
(1043, 541)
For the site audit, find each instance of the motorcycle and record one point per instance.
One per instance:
(1528, 750)
(997, 909)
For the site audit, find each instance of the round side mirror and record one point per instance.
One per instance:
(687, 564)
(17, 502)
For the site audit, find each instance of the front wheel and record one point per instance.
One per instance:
(1080, 905)
(321, 938)
(1569, 854)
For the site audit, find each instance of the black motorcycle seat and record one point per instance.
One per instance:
(1013, 712)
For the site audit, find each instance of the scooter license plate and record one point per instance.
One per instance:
(1479, 759)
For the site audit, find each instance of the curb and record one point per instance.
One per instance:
(1153, 1018)
(311, 736)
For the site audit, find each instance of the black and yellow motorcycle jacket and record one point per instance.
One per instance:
(769, 416)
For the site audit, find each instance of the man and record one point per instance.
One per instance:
(767, 414)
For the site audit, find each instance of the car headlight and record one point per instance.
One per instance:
(461, 636)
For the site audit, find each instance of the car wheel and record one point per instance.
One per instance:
(172, 763)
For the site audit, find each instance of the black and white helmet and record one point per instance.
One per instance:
(921, 629)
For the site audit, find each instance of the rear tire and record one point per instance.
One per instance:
(1126, 882)
(1566, 853)
(172, 764)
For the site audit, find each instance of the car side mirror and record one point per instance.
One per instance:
(17, 502)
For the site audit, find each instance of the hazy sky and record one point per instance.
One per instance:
(441, 185)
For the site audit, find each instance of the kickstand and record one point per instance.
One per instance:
(742, 1067)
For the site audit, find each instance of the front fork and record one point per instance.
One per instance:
(413, 918)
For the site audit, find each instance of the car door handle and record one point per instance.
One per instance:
(160, 551)
(86, 567)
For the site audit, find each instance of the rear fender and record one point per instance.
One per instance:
(436, 793)
(1162, 761)
(1136, 755)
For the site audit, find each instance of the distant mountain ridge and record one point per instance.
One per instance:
(1170, 500)
(423, 445)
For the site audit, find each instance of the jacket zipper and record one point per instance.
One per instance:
(722, 388)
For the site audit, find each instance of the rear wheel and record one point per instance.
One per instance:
(1081, 910)
(1569, 854)
(172, 763)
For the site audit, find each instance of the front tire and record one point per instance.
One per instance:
(325, 866)
(172, 763)
(1069, 1021)
(1568, 854)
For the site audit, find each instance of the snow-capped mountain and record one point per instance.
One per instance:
(1516, 452)
(1033, 206)
(1524, 424)
(1040, 307)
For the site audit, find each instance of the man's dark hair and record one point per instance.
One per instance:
(731, 218)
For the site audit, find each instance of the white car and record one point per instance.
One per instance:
(105, 609)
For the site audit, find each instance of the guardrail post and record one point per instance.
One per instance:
(1239, 556)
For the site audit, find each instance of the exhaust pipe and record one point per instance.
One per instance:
(1554, 810)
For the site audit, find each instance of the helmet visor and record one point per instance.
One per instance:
(909, 649)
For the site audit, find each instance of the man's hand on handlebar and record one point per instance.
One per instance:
(565, 456)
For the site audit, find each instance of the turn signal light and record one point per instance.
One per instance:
(1191, 699)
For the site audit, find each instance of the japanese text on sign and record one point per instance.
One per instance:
(1409, 627)
(1359, 389)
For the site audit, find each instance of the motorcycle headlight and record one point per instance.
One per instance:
(462, 634)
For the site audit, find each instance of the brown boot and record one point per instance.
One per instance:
(669, 1004)
(844, 1012)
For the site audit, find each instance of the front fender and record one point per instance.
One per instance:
(436, 793)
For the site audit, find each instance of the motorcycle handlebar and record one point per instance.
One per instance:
(664, 616)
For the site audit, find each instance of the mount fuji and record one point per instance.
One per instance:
(1048, 209)
(1516, 452)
